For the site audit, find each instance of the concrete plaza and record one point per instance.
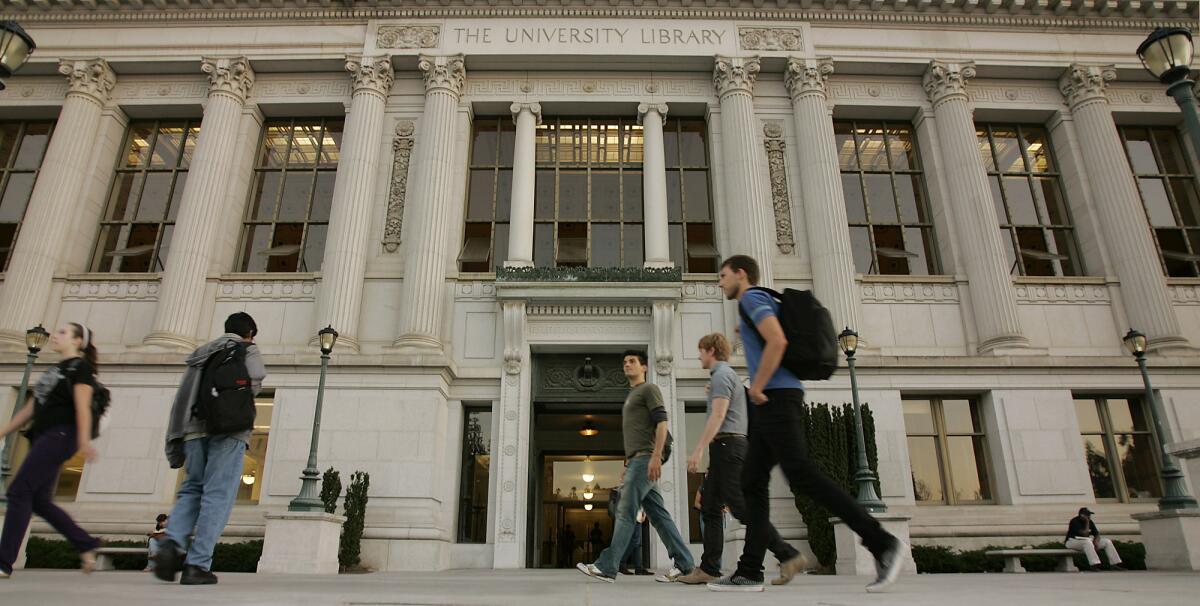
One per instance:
(562, 588)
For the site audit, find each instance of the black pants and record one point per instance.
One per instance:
(776, 437)
(722, 487)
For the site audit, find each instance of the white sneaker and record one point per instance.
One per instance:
(672, 575)
(595, 573)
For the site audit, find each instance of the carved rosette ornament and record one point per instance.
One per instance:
(780, 199)
(735, 74)
(443, 73)
(1084, 83)
(805, 77)
(92, 77)
(944, 81)
(402, 147)
(371, 73)
(407, 36)
(230, 75)
(771, 38)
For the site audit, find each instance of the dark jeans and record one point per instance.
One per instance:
(723, 486)
(776, 437)
(31, 491)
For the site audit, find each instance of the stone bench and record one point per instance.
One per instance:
(1012, 558)
(104, 555)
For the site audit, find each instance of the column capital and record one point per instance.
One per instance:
(443, 72)
(371, 73)
(92, 77)
(644, 108)
(231, 75)
(807, 76)
(943, 80)
(532, 107)
(1082, 83)
(735, 74)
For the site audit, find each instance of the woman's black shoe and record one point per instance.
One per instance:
(194, 575)
(168, 561)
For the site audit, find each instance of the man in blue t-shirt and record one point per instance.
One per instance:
(775, 438)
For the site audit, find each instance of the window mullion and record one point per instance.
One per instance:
(939, 425)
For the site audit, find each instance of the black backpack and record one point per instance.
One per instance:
(101, 398)
(812, 348)
(225, 401)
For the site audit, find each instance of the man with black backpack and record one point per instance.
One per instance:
(208, 432)
(783, 336)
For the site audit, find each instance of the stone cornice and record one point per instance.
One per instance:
(371, 73)
(231, 75)
(807, 76)
(1083, 83)
(1099, 14)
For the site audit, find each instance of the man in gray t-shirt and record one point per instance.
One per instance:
(725, 438)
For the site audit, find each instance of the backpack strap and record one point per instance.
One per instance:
(741, 312)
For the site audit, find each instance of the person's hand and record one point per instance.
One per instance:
(88, 451)
(757, 396)
(699, 500)
(654, 472)
(693, 462)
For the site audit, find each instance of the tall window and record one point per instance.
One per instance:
(695, 416)
(1120, 448)
(135, 232)
(476, 468)
(22, 145)
(254, 461)
(588, 195)
(1038, 236)
(1167, 183)
(891, 231)
(288, 214)
(947, 449)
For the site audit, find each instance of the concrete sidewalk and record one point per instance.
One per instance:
(562, 588)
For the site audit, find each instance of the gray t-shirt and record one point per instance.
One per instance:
(724, 383)
(637, 426)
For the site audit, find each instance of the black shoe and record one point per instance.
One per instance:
(642, 572)
(625, 571)
(1117, 567)
(168, 561)
(1090, 569)
(195, 575)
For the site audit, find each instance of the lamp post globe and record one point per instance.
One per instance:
(1167, 53)
(35, 338)
(15, 48)
(848, 341)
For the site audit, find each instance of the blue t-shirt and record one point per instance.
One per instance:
(758, 305)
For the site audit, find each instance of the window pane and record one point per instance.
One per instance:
(266, 192)
(860, 244)
(671, 144)
(16, 196)
(177, 195)
(503, 194)
(960, 416)
(477, 247)
(1020, 201)
(918, 417)
(911, 198)
(1035, 254)
(572, 196)
(606, 196)
(674, 197)
(1064, 243)
(1008, 150)
(1158, 206)
(297, 193)
(155, 196)
(1036, 146)
(901, 149)
(926, 474)
(880, 198)
(572, 245)
(1186, 201)
(139, 248)
(543, 244)
(499, 246)
(124, 195)
(306, 139)
(508, 138)
(110, 237)
(164, 248)
(985, 150)
(258, 238)
(843, 136)
(1088, 416)
(871, 151)
(1055, 208)
(314, 248)
(1126, 415)
(189, 146)
(702, 254)
(1010, 253)
(275, 142)
(1175, 253)
(485, 149)
(891, 258)
(856, 211)
(968, 468)
(693, 144)
(1096, 455)
(998, 200)
(606, 245)
(1136, 454)
(32, 147)
(482, 191)
(8, 239)
(284, 254)
(166, 146)
(1141, 155)
(632, 249)
(322, 196)
(675, 235)
(543, 197)
(919, 241)
(476, 468)
(1169, 150)
(631, 196)
(139, 144)
(695, 194)
(10, 132)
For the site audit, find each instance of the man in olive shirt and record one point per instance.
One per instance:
(644, 427)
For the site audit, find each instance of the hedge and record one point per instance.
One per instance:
(935, 559)
(58, 553)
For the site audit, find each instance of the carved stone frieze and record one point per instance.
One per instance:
(1184, 294)
(232, 75)
(92, 77)
(589, 274)
(735, 74)
(943, 80)
(909, 292)
(1062, 293)
(111, 290)
(443, 73)
(1084, 83)
(267, 290)
(807, 76)
(475, 291)
(402, 147)
(547, 89)
(771, 38)
(780, 199)
(408, 36)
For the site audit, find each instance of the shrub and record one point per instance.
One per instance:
(936, 559)
(331, 489)
(58, 553)
(355, 509)
(237, 557)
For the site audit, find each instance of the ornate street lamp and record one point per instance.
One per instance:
(1167, 54)
(15, 48)
(864, 478)
(1175, 495)
(35, 340)
(310, 481)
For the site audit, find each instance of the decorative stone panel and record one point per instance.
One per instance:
(408, 36)
(909, 292)
(771, 38)
(780, 199)
(402, 147)
(267, 290)
(111, 290)
(1062, 293)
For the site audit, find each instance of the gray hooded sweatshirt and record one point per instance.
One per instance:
(181, 426)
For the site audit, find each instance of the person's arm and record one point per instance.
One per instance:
(20, 419)
(255, 368)
(654, 472)
(774, 345)
(83, 420)
(720, 407)
(1095, 531)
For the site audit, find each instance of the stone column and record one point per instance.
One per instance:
(345, 262)
(830, 256)
(433, 187)
(992, 298)
(25, 294)
(1122, 218)
(520, 227)
(654, 186)
(746, 193)
(181, 298)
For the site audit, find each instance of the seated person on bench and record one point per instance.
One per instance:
(1083, 536)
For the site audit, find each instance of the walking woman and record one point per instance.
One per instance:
(61, 410)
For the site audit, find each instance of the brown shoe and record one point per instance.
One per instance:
(790, 568)
(696, 577)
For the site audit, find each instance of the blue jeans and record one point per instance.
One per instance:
(639, 491)
(214, 468)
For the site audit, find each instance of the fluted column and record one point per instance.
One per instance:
(992, 298)
(433, 187)
(747, 195)
(1122, 218)
(654, 186)
(181, 298)
(43, 241)
(830, 256)
(520, 228)
(345, 262)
